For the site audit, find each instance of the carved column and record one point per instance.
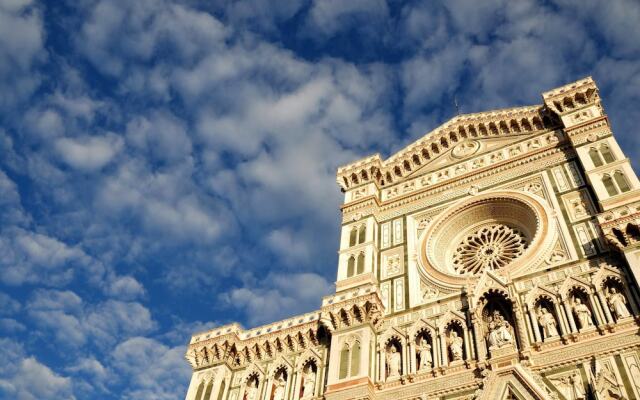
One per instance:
(534, 324)
(443, 349)
(405, 358)
(607, 312)
(569, 311)
(561, 321)
(520, 327)
(467, 344)
(435, 350)
(412, 357)
(478, 338)
(596, 310)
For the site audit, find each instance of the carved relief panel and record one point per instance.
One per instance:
(392, 263)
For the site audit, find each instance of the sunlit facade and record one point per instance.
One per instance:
(497, 257)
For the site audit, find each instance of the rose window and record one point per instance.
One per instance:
(493, 231)
(490, 247)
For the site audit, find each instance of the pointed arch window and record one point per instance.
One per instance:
(353, 236)
(595, 157)
(200, 391)
(609, 186)
(344, 362)
(621, 181)
(362, 234)
(351, 266)
(607, 154)
(207, 393)
(355, 359)
(360, 264)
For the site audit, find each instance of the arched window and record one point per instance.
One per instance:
(606, 154)
(362, 234)
(595, 157)
(221, 391)
(353, 236)
(355, 359)
(200, 390)
(608, 184)
(621, 181)
(351, 266)
(360, 268)
(344, 362)
(207, 393)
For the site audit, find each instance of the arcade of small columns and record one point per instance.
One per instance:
(545, 317)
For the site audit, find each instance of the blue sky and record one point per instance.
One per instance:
(168, 166)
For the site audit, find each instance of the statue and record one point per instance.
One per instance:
(618, 304)
(455, 346)
(252, 390)
(309, 386)
(548, 323)
(582, 312)
(393, 362)
(499, 334)
(278, 393)
(426, 361)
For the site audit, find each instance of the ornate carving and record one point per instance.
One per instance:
(491, 247)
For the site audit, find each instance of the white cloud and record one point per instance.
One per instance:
(21, 49)
(167, 379)
(88, 153)
(160, 135)
(28, 257)
(125, 288)
(278, 296)
(74, 323)
(25, 378)
(330, 16)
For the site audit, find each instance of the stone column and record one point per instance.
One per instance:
(435, 350)
(443, 349)
(596, 310)
(467, 345)
(383, 364)
(534, 324)
(405, 359)
(561, 322)
(479, 339)
(605, 306)
(266, 389)
(412, 357)
(569, 311)
(524, 340)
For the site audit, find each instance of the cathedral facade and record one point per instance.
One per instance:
(498, 257)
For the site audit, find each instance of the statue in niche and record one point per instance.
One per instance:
(547, 322)
(582, 312)
(618, 304)
(278, 393)
(455, 346)
(393, 362)
(309, 386)
(570, 386)
(499, 330)
(424, 354)
(252, 390)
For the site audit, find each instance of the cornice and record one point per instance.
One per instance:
(491, 124)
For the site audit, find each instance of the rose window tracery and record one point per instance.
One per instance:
(490, 247)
